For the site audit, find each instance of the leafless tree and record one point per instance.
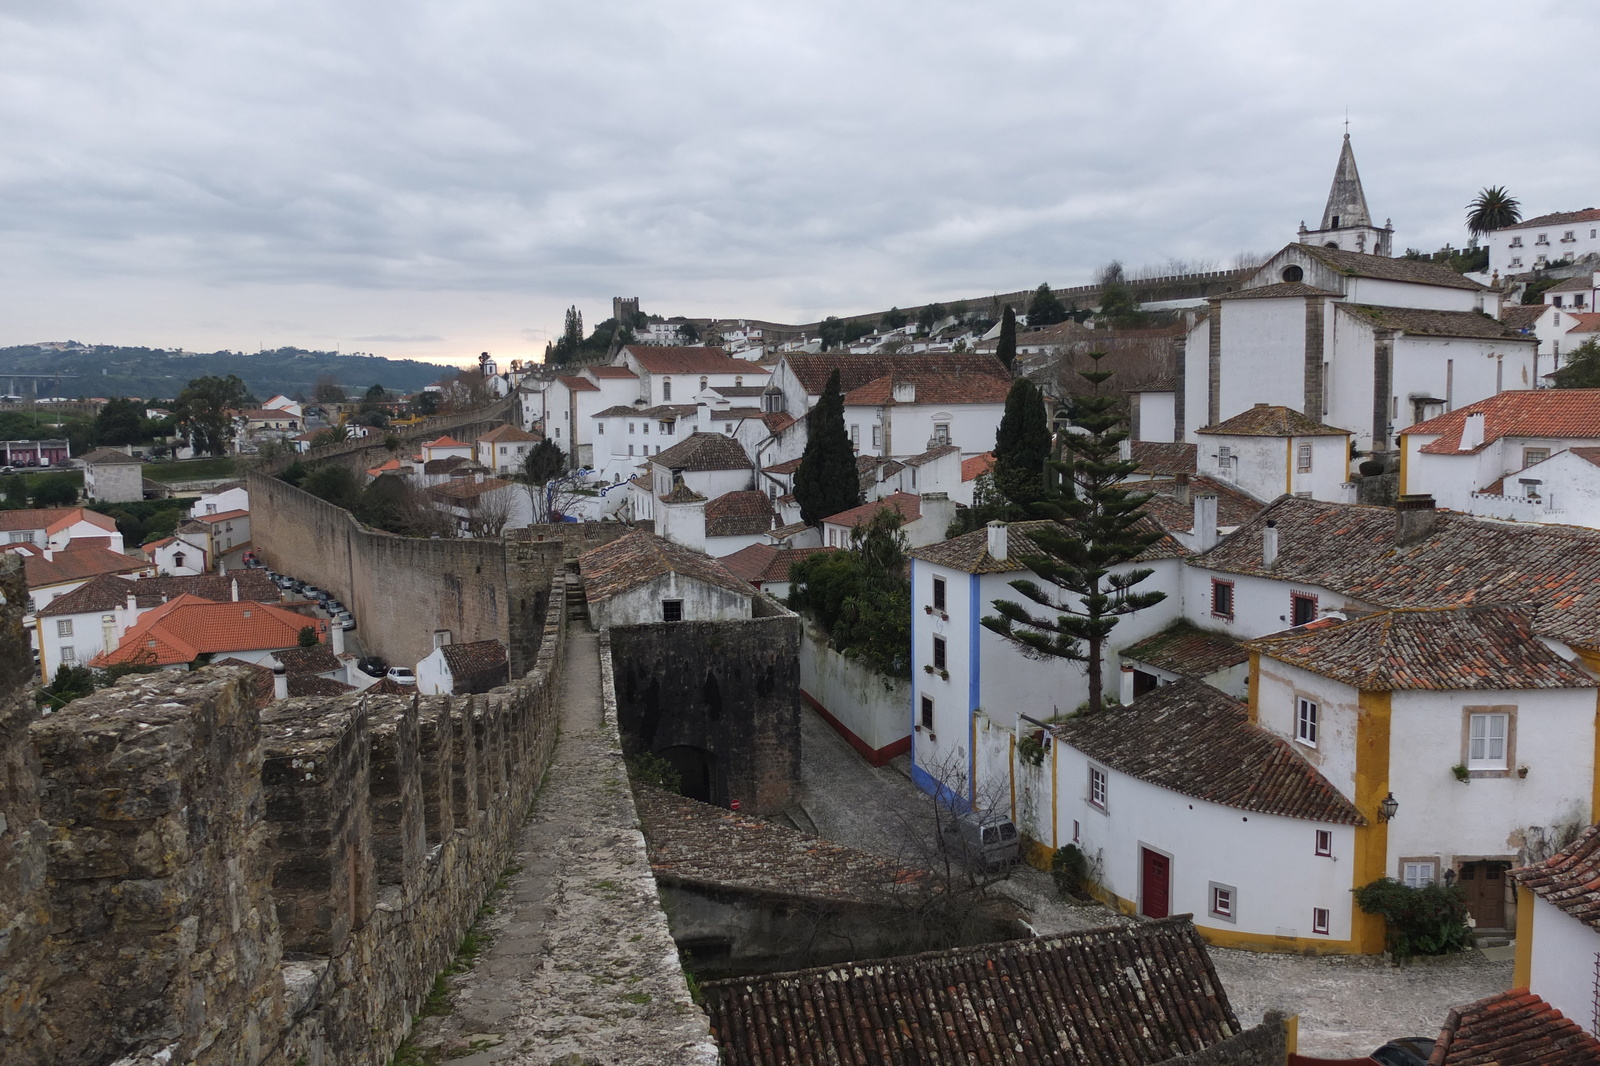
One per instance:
(489, 512)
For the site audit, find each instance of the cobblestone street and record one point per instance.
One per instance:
(1347, 1006)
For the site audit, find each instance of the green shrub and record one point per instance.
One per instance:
(1420, 921)
(1030, 750)
(648, 768)
(1069, 868)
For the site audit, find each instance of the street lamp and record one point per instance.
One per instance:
(1387, 808)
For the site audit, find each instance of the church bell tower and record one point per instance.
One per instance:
(1346, 223)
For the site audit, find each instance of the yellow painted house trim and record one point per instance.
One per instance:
(1287, 945)
(1522, 964)
(1288, 465)
(1592, 661)
(1372, 839)
(1252, 697)
(1404, 447)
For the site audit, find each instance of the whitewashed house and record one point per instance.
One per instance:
(799, 378)
(1542, 240)
(706, 465)
(232, 496)
(909, 412)
(678, 375)
(186, 552)
(1151, 411)
(57, 527)
(1269, 450)
(924, 519)
(1546, 324)
(1476, 458)
(459, 669)
(641, 578)
(1558, 930)
(226, 532)
(503, 449)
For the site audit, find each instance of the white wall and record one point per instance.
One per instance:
(234, 499)
(1586, 239)
(1260, 604)
(1460, 371)
(873, 707)
(1155, 415)
(1381, 293)
(1263, 350)
(642, 604)
(1278, 689)
(1564, 953)
(433, 675)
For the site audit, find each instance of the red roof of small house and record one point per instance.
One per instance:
(225, 516)
(672, 360)
(929, 387)
(82, 514)
(1585, 321)
(615, 372)
(512, 434)
(1515, 1028)
(978, 464)
(388, 467)
(181, 630)
(759, 563)
(1569, 879)
(740, 513)
(77, 562)
(909, 506)
(1520, 413)
(445, 441)
(577, 384)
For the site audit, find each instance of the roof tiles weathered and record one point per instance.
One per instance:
(737, 514)
(704, 451)
(1569, 879)
(1360, 265)
(1520, 413)
(1422, 322)
(640, 557)
(1187, 651)
(1515, 1028)
(1272, 420)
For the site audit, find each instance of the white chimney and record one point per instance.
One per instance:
(997, 541)
(222, 567)
(1125, 451)
(1269, 544)
(280, 682)
(905, 392)
(1127, 685)
(1205, 523)
(235, 590)
(336, 637)
(1472, 431)
(133, 605)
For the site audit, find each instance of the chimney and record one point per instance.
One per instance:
(997, 541)
(235, 590)
(336, 637)
(1180, 488)
(1414, 517)
(1126, 693)
(1269, 544)
(222, 567)
(905, 392)
(49, 554)
(1125, 450)
(280, 682)
(1472, 431)
(133, 607)
(1205, 523)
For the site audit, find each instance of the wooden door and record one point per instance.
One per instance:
(1157, 879)
(1485, 886)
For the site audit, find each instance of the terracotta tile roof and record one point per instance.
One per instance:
(385, 687)
(467, 489)
(978, 464)
(261, 682)
(682, 493)
(812, 370)
(704, 451)
(790, 530)
(1275, 291)
(695, 843)
(931, 454)
(615, 372)
(970, 551)
(641, 557)
(1522, 316)
(182, 629)
(931, 388)
(1168, 506)
(788, 466)
(1570, 879)
(78, 562)
(1551, 570)
(1514, 1028)
(1426, 323)
(1130, 996)
(225, 516)
(1187, 651)
(445, 441)
(509, 435)
(1585, 321)
(735, 514)
(760, 563)
(1522, 413)
(1588, 214)
(1588, 455)
(317, 660)
(1164, 383)
(1360, 265)
(1442, 649)
(107, 455)
(1580, 283)
(108, 592)
(666, 360)
(1272, 420)
(82, 514)
(908, 506)
(1192, 739)
(1164, 459)
(777, 421)
(388, 467)
(577, 384)
(34, 518)
(477, 666)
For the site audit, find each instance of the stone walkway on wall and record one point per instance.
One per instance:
(581, 968)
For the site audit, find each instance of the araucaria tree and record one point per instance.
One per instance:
(1022, 447)
(1080, 593)
(826, 482)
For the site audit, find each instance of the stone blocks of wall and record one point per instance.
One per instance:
(730, 689)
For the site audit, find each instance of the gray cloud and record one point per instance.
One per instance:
(400, 172)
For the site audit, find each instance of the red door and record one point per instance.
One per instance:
(1157, 876)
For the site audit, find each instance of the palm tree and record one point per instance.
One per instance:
(1491, 209)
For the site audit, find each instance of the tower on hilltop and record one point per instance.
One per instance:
(1346, 223)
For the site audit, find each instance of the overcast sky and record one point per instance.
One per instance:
(430, 180)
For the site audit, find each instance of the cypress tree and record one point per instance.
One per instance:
(1097, 526)
(826, 482)
(1022, 447)
(1006, 349)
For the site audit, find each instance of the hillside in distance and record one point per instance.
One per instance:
(112, 370)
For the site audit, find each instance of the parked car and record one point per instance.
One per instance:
(250, 560)
(1405, 1051)
(344, 620)
(401, 675)
(983, 838)
(372, 665)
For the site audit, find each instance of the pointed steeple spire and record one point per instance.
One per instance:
(1347, 204)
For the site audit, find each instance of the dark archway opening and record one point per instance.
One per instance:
(697, 769)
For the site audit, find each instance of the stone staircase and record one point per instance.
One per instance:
(577, 604)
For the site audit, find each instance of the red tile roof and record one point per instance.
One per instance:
(1521, 413)
(970, 551)
(78, 562)
(1429, 323)
(908, 506)
(1127, 996)
(1361, 265)
(1523, 316)
(1188, 652)
(615, 372)
(467, 489)
(1514, 1028)
(1163, 459)
(812, 370)
(704, 451)
(788, 466)
(1588, 214)
(511, 434)
(760, 563)
(1439, 649)
(934, 388)
(1192, 739)
(445, 441)
(183, 629)
(477, 666)
(109, 592)
(577, 384)
(1585, 321)
(1569, 879)
(978, 464)
(668, 360)
(225, 516)
(736, 514)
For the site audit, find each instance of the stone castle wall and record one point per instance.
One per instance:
(187, 878)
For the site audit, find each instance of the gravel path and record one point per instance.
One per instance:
(1347, 1005)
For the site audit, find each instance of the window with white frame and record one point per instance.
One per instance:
(1325, 842)
(1534, 455)
(1305, 721)
(941, 433)
(1488, 733)
(855, 436)
(63, 627)
(1516, 261)
(1223, 899)
(632, 427)
(1321, 920)
(1516, 242)
(877, 436)
(1302, 462)
(1097, 787)
(1419, 873)
(69, 654)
